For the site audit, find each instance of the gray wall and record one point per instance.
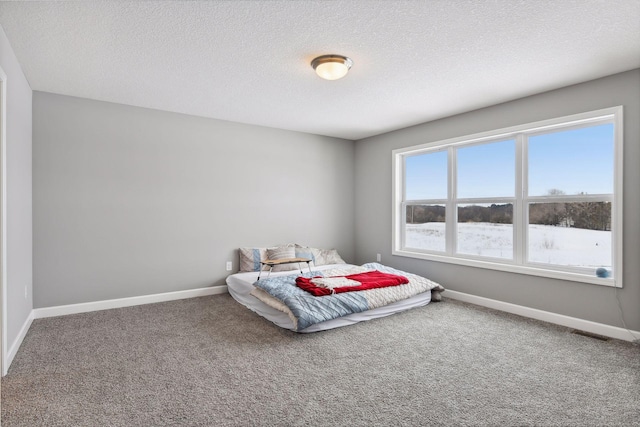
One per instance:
(18, 161)
(591, 302)
(131, 201)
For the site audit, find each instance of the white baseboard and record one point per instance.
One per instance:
(62, 310)
(546, 316)
(13, 350)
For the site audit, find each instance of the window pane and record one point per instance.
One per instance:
(426, 227)
(486, 230)
(426, 176)
(487, 170)
(572, 234)
(578, 161)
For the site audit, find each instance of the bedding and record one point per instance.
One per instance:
(320, 286)
(343, 309)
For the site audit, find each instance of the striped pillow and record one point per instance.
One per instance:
(250, 258)
(282, 252)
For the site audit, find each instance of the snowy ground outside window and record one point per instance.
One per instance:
(547, 244)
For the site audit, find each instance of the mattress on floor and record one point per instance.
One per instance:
(240, 286)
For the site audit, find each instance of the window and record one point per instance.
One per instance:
(542, 199)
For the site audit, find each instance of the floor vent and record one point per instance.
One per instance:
(590, 335)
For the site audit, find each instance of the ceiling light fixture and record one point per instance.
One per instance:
(332, 67)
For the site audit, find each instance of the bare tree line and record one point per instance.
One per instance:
(586, 215)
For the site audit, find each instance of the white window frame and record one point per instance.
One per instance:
(520, 202)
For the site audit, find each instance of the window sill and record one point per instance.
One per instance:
(512, 268)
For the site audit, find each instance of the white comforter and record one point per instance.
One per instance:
(305, 309)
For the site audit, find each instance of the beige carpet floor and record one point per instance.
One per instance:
(211, 362)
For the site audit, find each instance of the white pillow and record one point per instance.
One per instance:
(330, 256)
(320, 256)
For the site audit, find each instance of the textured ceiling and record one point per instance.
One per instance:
(248, 61)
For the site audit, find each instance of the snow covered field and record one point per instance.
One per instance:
(550, 245)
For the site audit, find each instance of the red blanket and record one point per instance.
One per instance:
(369, 280)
